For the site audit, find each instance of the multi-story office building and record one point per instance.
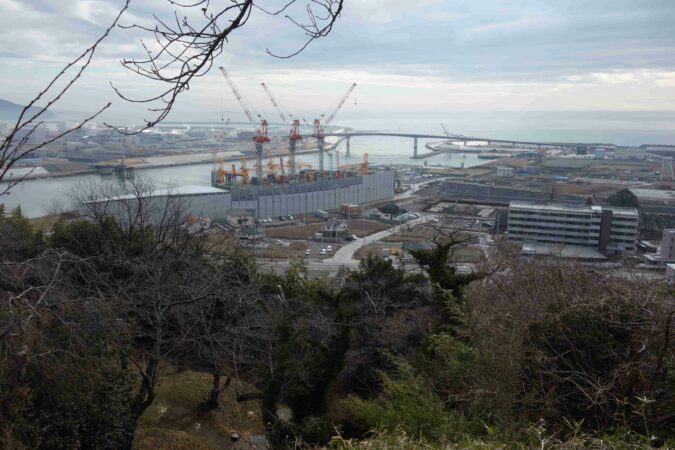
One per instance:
(607, 229)
(668, 245)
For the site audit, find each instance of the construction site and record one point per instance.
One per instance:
(279, 184)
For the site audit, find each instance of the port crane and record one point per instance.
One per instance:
(318, 130)
(261, 136)
(294, 135)
(244, 171)
(276, 104)
(281, 177)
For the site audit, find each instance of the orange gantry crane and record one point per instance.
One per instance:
(318, 130)
(244, 171)
(294, 135)
(261, 135)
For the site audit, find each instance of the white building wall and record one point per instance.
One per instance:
(377, 186)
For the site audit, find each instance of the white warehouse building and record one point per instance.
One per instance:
(257, 201)
(606, 229)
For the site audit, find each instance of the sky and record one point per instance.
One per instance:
(407, 56)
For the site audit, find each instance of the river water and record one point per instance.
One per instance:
(38, 197)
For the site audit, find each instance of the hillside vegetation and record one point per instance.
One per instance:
(120, 334)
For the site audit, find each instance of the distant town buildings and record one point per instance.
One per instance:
(606, 229)
(629, 153)
(29, 136)
(505, 171)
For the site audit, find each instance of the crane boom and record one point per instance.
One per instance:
(239, 96)
(274, 102)
(339, 105)
(445, 131)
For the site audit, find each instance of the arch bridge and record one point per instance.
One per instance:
(347, 136)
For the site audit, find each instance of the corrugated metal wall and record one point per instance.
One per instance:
(376, 186)
(270, 202)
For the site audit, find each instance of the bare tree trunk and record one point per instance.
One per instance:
(214, 395)
(146, 392)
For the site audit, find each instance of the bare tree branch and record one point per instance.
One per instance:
(15, 145)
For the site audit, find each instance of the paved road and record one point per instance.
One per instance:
(416, 187)
(345, 254)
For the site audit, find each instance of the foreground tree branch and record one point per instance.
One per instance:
(16, 145)
(181, 50)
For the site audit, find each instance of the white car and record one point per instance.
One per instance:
(308, 252)
(322, 252)
(329, 249)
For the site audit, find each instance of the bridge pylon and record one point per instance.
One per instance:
(415, 147)
(348, 149)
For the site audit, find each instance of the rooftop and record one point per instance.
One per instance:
(654, 194)
(562, 251)
(171, 191)
(583, 209)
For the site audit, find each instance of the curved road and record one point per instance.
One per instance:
(345, 254)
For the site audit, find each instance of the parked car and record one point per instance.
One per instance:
(329, 248)
(291, 218)
(268, 219)
(351, 237)
(308, 252)
(282, 217)
(322, 252)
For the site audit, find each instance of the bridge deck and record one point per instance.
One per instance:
(463, 138)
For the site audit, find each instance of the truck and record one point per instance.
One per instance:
(321, 214)
(350, 210)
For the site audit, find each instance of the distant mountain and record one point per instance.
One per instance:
(11, 111)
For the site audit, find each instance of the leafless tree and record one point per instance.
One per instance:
(15, 145)
(572, 341)
(33, 293)
(184, 49)
(161, 218)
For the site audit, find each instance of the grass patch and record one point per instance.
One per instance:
(177, 420)
(466, 255)
(359, 227)
(376, 250)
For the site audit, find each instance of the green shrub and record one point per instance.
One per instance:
(405, 402)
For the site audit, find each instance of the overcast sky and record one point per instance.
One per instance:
(406, 55)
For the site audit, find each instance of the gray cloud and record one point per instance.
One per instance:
(453, 41)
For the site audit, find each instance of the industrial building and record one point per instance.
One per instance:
(605, 229)
(629, 153)
(665, 253)
(668, 246)
(505, 171)
(270, 200)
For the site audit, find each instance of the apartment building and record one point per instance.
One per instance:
(606, 229)
(505, 171)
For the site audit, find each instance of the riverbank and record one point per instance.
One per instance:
(66, 168)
